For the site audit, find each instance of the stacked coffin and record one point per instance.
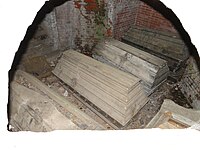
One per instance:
(149, 68)
(117, 93)
(166, 45)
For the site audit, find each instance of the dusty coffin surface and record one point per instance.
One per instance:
(33, 111)
(36, 107)
(168, 46)
(117, 93)
(150, 69)
(173, 116)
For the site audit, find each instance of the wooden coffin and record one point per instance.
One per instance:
(150, 69)
(117, 93)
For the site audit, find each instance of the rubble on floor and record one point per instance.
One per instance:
(173, 116)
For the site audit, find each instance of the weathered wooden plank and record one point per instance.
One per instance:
(78, 78)
(139, 53)
(125, 59)
(127, 65)
(84, 91)
(104, 83)
(117, 75)
(157, 38)
(112, 81)
(149, 46)
(123, 49)
(92, 79)
(151, 62)
(107, 81)
(151, 69)
(96, 112)
(112, 101)
(85, 76)
(59, 99)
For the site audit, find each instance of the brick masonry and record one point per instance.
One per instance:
(149, 18)
(124, 15)
(129, 13)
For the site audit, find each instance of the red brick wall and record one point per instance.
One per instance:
(137, 13)
(147, 17)
(124, 16)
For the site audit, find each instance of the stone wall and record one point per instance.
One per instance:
(45, 38)
(92, 23)
(75, 24)
(190, 83)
